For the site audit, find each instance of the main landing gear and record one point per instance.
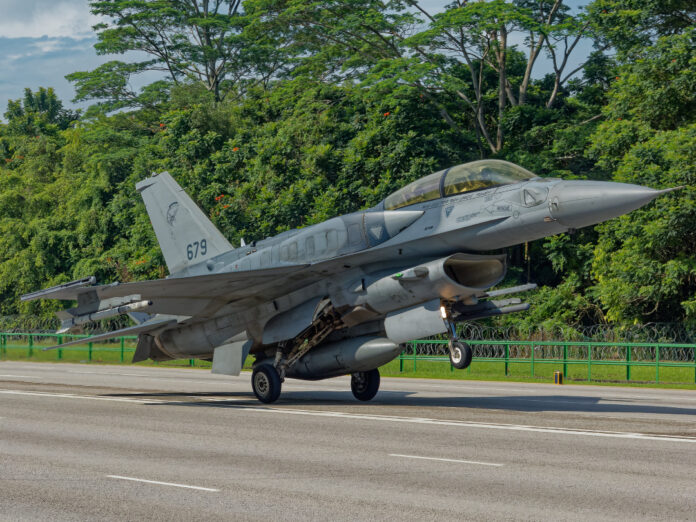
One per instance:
(364, 385)
(266, 383)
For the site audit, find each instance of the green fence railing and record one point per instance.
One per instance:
(115, 350)
(568, 355)
(578, 360)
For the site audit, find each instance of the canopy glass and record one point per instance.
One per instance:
(469, 177)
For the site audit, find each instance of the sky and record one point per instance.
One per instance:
(43, 40)
(40, 42)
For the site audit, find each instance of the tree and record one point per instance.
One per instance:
(632, 25)
(186, 40)
(459, 59)
(644, 264)
(38, 112)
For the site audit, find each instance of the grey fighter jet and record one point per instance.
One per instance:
(340, 297)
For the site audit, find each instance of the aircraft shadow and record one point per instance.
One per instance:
(516, 403)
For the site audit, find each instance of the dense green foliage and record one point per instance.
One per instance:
(326, 107)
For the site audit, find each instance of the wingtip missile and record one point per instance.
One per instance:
(72, 285)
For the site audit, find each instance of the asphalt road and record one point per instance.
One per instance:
(82, 442)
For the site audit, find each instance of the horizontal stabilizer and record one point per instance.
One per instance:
(131, 330)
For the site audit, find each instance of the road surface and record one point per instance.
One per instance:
(84, 442)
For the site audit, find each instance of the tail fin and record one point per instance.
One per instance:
(185, 234)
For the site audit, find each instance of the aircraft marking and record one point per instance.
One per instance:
(173, 484)
(376, 231)
(192, 249)
(446, 460)
(171, 213)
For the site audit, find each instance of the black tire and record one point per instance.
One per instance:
(266, 384)
(365, 385)
(460, 355)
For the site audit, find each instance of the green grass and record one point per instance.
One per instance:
(613, 374)
(543, 372)
(106, 353)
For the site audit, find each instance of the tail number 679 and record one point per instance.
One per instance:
(197, 248)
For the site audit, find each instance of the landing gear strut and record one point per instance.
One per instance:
(266, 383)
(364, 385)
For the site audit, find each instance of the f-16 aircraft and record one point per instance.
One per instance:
(340, 297)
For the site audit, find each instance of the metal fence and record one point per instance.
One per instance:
(567, 355)
(640, 333)
(580, 360)
(33, 344)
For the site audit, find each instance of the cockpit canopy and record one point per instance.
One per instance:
(477, 175)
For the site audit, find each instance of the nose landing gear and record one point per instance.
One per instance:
(460, 353)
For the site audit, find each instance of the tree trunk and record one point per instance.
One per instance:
(501, 54)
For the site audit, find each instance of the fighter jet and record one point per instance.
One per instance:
(340, 297)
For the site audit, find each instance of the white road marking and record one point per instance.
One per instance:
(108, 373)
(219, 399)
(469, 424)
(173, 484)
(446, 460)
(580, 391)
(19, 376)
(151, 377)
(87, 397)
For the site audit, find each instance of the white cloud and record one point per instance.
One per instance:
(52, 18)
(47, 46)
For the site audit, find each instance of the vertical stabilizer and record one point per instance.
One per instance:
(185, 234)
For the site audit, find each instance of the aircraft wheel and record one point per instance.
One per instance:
(460, 355)
(364, 385)
(266, 384)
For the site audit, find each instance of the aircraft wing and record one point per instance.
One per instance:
(175, 296)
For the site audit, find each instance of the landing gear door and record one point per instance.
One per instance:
(228, 359)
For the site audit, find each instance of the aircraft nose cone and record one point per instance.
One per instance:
(579, 203)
